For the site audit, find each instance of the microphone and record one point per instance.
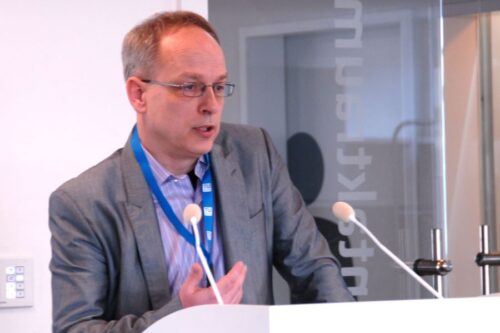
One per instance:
(344, 212)
(192, 214)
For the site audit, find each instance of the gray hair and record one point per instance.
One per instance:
(140, 45)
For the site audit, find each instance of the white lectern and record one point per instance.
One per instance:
(481, 314)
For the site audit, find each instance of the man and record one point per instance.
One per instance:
(122, 257)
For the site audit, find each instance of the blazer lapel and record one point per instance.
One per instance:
(140, 209)
(232, 207)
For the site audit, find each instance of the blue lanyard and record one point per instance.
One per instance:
(207, 197)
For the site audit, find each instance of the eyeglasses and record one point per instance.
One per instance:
(196, 89)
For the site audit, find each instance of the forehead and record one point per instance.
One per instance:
(192, 50)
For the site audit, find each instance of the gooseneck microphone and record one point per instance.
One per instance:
(192, 214)
(344, 212)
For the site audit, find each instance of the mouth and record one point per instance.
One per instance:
(205, 130)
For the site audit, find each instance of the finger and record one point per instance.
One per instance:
(236, 294)
(233, 275)
(194, 277)
(189, 294)
(231, 285)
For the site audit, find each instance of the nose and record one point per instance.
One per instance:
(210, 102)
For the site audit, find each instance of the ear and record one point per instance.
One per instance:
(136, 94)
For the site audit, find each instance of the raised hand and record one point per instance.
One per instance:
(230, 287)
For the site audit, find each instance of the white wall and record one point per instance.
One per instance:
(63, 109)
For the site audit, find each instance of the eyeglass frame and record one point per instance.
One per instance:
(228, 87)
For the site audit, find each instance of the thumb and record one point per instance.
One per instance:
(194, 277)
(190, 286)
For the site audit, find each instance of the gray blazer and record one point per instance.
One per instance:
(108, 267)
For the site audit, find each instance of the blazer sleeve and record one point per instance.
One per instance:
(300, 253)
(83, 284)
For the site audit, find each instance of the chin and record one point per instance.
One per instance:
(203, 149)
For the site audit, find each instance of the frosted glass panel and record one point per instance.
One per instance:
(350, 92)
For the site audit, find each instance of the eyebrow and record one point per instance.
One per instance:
(197, 77)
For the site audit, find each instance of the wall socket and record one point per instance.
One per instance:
(16, 282)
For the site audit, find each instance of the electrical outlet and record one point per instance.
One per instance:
(16, 282)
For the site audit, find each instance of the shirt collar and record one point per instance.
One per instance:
(162, 175)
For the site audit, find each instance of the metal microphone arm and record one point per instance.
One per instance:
(396, 259)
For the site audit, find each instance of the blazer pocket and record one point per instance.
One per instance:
(256, 211)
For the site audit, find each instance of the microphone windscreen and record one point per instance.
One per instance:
(192, 213)
(342, 211)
